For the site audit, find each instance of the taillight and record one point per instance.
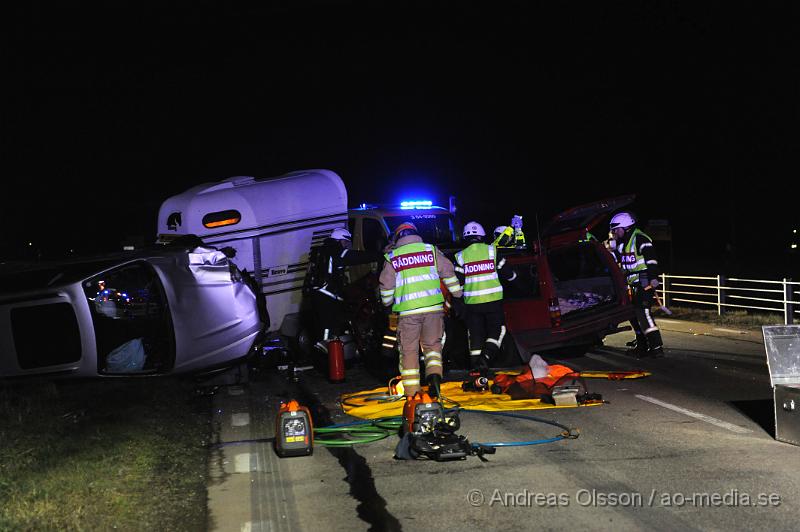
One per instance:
(555, 312)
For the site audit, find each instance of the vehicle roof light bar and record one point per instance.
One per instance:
(420, 204)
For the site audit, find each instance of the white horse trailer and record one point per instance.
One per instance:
(271, 223)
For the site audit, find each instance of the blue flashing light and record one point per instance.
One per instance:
(416, 204)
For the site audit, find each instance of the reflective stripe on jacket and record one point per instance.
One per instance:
(417, 282)
(632, 259)
(481, 283)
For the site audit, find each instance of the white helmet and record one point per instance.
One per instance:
(473, 229)
(340, 233)
(499, 230)
(621, 219)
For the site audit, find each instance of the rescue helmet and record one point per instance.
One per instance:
(474, 229)
(505, 240)
(340, 233)
(621, 219)
(405, 229)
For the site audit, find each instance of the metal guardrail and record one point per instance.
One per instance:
(729, 292)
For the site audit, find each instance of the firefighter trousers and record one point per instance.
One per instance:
(329, 317)
(648, 335)
(485, 325)
(415, 331)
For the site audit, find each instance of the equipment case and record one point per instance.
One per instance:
(782, 343)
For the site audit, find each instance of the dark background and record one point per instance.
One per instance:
(513, 107)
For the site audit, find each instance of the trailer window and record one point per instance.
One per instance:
(221, 219)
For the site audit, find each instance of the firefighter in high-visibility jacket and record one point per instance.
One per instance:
(638, 261)
(483, 294)
(411, 283)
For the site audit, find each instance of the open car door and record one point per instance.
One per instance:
(574, 223)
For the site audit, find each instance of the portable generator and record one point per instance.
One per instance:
(294, 431)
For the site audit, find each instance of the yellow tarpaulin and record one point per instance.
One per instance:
(372, 404)
(614, 375)
(599, 374)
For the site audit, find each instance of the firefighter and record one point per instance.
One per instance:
(637, 259)
(503, 236)
(410, 283)
(483, 294)
(327, 281)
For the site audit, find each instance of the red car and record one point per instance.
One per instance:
(569, 292)
(575, 293)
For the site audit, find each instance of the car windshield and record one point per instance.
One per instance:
(433, 228)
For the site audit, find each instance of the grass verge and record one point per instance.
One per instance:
(89, 455)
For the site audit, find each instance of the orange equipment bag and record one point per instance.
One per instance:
(525, 386)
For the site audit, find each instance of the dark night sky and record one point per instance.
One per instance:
(514, 107)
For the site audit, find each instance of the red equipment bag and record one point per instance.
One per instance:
(525, 386)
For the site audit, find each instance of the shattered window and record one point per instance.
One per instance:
(131, 320)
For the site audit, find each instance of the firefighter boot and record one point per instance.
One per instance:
(638, 347)
(489, 355)
(655, 347)
(479, 364)
(434, 385)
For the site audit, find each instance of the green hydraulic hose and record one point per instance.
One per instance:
(358, 432)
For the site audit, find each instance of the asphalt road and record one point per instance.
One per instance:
(690, 447)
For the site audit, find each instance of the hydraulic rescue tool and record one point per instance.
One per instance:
(294, 432)
(429, 431)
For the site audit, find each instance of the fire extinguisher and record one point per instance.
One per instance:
(335, 360)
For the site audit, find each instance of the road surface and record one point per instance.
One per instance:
(691, 447)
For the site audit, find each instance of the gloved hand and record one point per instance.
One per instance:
(655, 283)
(459, 307)
(516, 221)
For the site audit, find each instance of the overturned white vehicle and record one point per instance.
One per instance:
(173, 309)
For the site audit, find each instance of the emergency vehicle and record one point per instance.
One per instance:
(372, 226)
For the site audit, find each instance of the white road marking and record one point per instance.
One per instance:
(241, 463)
(734, 331)
(702, 417)
(240, 420)
(669, 321)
